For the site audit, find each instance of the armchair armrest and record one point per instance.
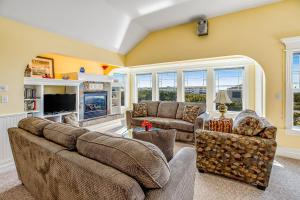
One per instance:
(270, 130)
(129, 118)
(182, 179)
(200, 121)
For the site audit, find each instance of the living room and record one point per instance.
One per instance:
(209, 88)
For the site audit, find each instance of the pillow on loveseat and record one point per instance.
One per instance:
(190, 113)
(139, 110)
(248, 123)
(140, 160)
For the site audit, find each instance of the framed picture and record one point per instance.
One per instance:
(42, 67)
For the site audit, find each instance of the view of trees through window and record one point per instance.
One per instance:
(122, 79)
(195, 86)
(144, 86)
(296, 87)
(167, 85)
(231, 80)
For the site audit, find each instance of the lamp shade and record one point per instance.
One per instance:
(222, 97)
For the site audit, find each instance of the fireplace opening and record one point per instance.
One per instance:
(95, 104)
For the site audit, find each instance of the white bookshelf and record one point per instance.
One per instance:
(39, 84)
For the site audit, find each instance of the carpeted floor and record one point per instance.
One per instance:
(284, 185)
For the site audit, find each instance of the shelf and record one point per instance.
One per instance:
(32, 111)
(32, 99)
(59, 114)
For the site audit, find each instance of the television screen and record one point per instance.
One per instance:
(55, 103)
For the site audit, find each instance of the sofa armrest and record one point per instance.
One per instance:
(182, 179)
(248, 158)
(129, 118)
(200, 121)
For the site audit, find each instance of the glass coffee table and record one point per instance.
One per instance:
(129, 132)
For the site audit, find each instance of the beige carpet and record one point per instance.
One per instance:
(284, 184)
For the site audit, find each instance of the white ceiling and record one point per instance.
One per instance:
(116, 25)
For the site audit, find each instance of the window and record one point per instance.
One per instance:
(296, 88)
(195, 86)
(231, 80)
(144, 86)
(122, 78)
(167, 86)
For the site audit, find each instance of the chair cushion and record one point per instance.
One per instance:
(181, 105)
(181, 125)
(63, 134)
(167, 109)
(248, 123)
(141, 160)
(34, 125)
(139, 110)
(152, 107)
(190, 113)
(163, 139)
(137, 121)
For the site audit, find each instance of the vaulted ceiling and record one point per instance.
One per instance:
(116, 25)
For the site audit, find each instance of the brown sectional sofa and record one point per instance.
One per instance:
(168, 115)
(59, 161)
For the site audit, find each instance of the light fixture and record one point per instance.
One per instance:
(222, 98)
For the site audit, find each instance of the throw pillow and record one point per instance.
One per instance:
(139, 110)
(190, 113)
(248, 123)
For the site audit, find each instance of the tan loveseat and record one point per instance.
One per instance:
(62, 162)
(168, 115)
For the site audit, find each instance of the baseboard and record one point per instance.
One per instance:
(8, 166)
(288, 152)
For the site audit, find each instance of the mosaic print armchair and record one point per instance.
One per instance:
(246, 155)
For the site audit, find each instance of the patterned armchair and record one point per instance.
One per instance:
(246, 154)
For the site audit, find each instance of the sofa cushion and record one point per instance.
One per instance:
(34, 125)
(141, 160)
(248, 123)
(181, 105)
(167, 109)
(190, 113)
(152, 107)
(139, 110)
(63, 134)
(137, 121)
(163, 123)
(181, 125)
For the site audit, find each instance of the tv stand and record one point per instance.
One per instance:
(37, 87)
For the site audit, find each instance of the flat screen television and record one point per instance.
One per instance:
(56, 103)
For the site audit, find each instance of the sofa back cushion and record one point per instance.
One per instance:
(139, 110)
(167, 109)
(179, 113)
(248, 123)
(63, 134)
(141, 160)
(34, 125)
(152, 107)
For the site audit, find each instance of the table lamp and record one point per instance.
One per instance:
(222, 98)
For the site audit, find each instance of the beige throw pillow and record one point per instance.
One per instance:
(139, 110)
(190, 113)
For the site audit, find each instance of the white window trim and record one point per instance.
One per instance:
(292, 45)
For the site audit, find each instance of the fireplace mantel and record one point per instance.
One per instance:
(90, 77)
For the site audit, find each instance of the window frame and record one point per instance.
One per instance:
(157, 83)
(136, 86)
(245, 87)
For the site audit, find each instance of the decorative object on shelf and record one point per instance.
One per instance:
(27, 72)
(82, 70)
(202, 26)
(147, 125)
(222, 98)
(66, 77)
(104, 67)
(42, 67)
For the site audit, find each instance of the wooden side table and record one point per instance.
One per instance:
(220, 124)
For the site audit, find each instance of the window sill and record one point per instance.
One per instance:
(293, 131)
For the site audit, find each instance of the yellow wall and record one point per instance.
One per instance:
(255, 33)
(19, 43)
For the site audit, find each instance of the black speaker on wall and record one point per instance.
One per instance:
(202, 26)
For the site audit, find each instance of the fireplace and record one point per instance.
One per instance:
(95, 104)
